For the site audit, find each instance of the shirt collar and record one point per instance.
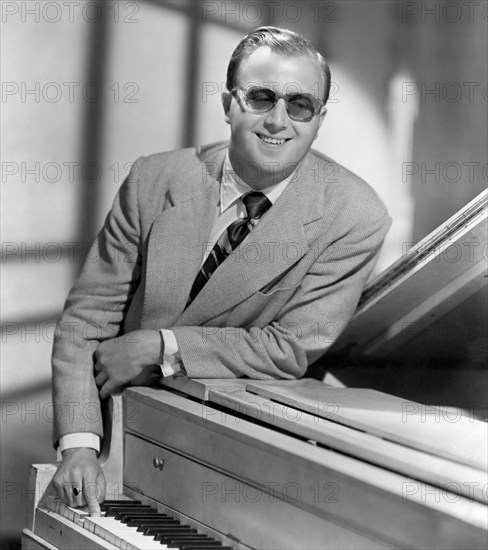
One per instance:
(232, 187)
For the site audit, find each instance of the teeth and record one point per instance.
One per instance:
(274, 141)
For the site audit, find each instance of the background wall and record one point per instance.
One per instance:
(89, 86)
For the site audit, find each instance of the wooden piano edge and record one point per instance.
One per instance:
(30, 541)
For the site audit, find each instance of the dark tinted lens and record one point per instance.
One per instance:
(301, 107)
(260, 99)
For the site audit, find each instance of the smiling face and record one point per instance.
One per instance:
(265, 148)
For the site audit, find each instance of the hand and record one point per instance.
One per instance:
(79, 479)
(122, 359)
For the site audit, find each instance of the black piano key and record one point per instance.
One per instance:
(178, 544)
(151, 521)
(136, 513)
(149, 517)
(123, 514)
(208, 542)
(126, 505)
(160, 534)
(113, 503)
(196, 545)
(112, 512)
(169, 530)
(144, 523)
(187, 543)
(119, 502)
(133, 517)
(136, 509)
(184, 538)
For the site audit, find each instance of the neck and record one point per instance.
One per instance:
(259, 177)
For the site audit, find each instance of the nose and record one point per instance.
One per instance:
(277, 119)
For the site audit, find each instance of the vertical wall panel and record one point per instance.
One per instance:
(145, 111)
(218, 43)
(41, 130)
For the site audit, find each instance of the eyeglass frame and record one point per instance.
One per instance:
(319, 104)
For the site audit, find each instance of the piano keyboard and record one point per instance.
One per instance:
(131, 525)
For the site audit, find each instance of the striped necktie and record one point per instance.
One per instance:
(256, 204)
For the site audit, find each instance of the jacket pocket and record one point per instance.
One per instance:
(271, 288)
(262, 307)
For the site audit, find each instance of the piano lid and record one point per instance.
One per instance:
(445, 272)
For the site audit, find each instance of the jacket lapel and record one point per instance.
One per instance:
(176, 244)
(277, 242)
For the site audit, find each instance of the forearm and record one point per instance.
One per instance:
(230, 352)
(94, 312)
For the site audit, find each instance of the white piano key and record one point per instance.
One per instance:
(76, 515)
(118, 534)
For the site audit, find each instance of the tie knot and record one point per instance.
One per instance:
(256, 204)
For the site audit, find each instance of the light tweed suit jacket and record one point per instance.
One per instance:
(273, 307)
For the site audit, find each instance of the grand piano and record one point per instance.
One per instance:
(304, 464)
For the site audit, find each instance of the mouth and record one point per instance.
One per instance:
(272, 141)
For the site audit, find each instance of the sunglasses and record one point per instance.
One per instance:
(300, 107)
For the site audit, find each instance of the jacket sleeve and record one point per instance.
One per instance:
(94, 311)
(284, 345)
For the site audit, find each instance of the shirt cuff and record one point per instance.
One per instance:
(83, 439)
(171, 355)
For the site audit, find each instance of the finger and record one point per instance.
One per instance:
(101, 378)
(107, 389)
(52, 496)
(94, 508)
(58, 487)
(97, 352)
(94, 493)
(97, 367)
(78, 493)
(101, 484)
(68, 496)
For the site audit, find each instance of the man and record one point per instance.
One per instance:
(221, 261)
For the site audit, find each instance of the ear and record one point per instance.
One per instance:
(226, 99)
(321, 120)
